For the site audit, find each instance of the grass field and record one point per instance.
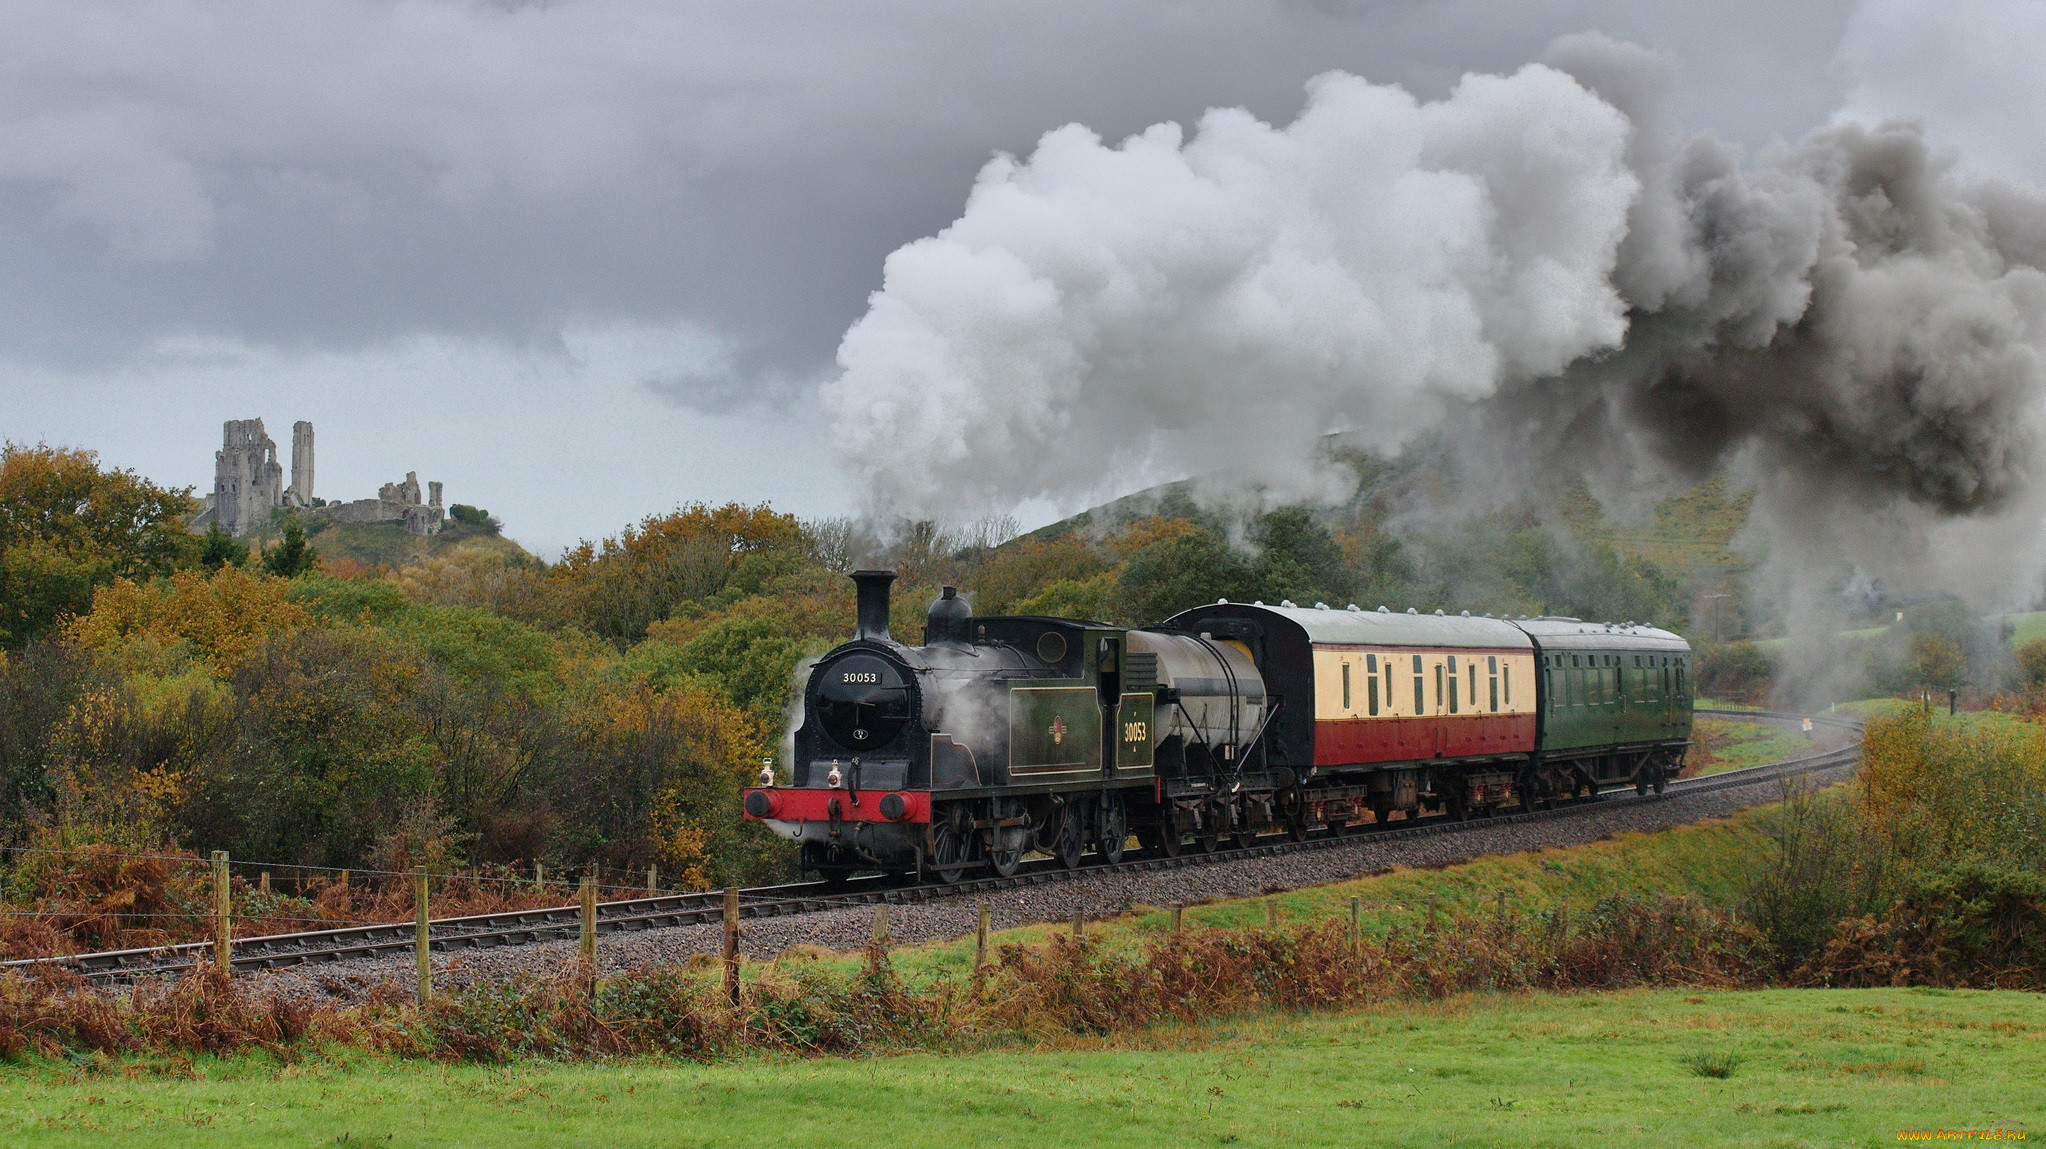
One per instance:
(1732, 744)
(1639, 1068)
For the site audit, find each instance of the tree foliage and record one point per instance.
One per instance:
(67, 526)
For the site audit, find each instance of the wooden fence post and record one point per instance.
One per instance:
(1079, 924)
(653, 880)
(980, 937)
(881, 927)
(1178, 911)
(422, 937)
(263, 884)
(589, 938)
(223, 911)
(731, 924)
(539, 876)
(1355, 906)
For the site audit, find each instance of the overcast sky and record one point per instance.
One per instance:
(583, 260)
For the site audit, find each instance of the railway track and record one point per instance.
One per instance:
(526, 927)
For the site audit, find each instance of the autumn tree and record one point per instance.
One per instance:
(625, 584)
(67, 526)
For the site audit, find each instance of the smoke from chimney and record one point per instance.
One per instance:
(1547, 265)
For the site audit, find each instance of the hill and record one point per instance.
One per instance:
(391, 545)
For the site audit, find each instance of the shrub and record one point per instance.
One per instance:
(1734, 671)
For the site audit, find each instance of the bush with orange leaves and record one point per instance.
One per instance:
(625, 584)
(221, 618)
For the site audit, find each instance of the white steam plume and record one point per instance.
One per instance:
(1546, 262)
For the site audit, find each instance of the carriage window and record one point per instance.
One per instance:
(1438, 686)
(1452, 684)
(1346, 686)
(1418, 706)
(1371, 693)
(1506, 682)
(1492, 671)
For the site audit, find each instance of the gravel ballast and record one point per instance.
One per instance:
(1105, 895)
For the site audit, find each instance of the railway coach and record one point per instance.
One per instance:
(1000, 736)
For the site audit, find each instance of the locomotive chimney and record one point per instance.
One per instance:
(873, 604)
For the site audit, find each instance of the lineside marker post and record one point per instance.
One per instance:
(1178, 911)
(731, 922)
(539, 876)
(1079, 924)
(881, 927)
(653, 878)
(980, 937)
(589, 938)
(223, 910)
(422, 946)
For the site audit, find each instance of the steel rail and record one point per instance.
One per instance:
(526, 927)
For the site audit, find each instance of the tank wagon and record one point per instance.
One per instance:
(1001, 736)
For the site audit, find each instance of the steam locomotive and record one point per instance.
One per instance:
(1002, 736)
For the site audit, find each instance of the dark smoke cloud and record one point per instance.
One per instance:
(1548, 264)
(1852, 323)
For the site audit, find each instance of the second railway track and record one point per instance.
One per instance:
(526, 927)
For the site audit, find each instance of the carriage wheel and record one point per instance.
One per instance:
(1296, 817)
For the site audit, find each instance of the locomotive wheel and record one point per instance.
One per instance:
(1170, 836)
(1171, 842)
(1209, 836)
(1005, 858)
(951, 848)
(1114, 831)
(1071, 844)
(834, 878)
(1661, 778)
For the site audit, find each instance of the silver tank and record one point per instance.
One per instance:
(1221, 696)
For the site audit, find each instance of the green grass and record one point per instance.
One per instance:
(390, 544)
(2029, 626)
(1640, 1068)
(1738, 744)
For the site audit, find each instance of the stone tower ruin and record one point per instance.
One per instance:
(247, 480)
(301, 491)
(248, 483)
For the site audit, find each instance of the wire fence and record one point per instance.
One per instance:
(91, 898)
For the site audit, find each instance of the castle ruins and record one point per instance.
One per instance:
(248, 484)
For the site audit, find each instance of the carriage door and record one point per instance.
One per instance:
(1108, 688)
